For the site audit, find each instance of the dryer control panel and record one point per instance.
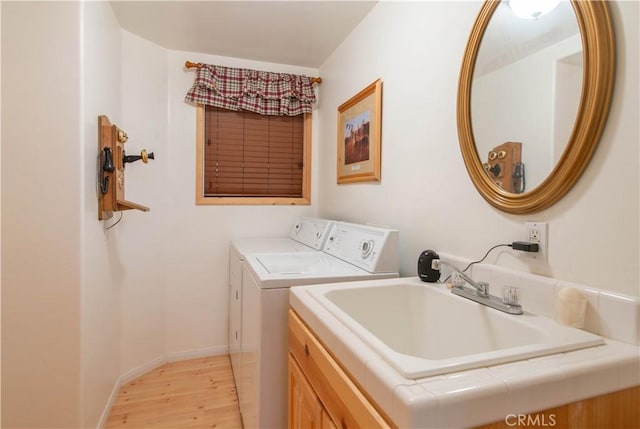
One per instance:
(310, 231)
(371, 248)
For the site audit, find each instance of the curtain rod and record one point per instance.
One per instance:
(192, 65)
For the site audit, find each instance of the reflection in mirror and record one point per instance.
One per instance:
(525, 94)
(598, 44)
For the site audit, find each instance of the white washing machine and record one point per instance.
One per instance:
(307, 235)
(352, 252)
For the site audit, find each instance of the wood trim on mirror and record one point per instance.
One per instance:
(598, 43)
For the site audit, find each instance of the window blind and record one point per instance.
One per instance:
(247, 154)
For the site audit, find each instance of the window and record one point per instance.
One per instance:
(247, 158)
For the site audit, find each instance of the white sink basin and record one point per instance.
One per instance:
(422, 329)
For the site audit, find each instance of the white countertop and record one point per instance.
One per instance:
(478, 396)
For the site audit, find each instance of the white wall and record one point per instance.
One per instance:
(0, 217)
(198, 237)
(141, 236)
(417, 48)
(41, 214)
(61, 324)
(82, 306)
(566, 100)
(100, 262)
(516, 103)
(102, 305)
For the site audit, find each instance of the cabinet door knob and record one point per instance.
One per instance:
(306, 350)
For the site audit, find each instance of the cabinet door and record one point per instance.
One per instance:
(327, 423)
(305, 410)
(340, 397)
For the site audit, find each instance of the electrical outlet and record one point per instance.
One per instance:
(536, 232)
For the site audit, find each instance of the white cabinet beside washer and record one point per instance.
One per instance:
(358, 252)
(264, 343)
(235, 313)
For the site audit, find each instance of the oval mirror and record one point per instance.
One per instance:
(533, 98)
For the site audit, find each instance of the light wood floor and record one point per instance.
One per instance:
(195, 393)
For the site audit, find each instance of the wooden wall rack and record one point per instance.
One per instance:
(111, 177)
(501, 166)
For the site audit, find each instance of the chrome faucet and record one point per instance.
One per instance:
(482, 288)
(480, 294)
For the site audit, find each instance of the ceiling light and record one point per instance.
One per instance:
(532, 9)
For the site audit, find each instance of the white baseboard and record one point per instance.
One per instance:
(112, 398)
(194, 354)
(134, 373)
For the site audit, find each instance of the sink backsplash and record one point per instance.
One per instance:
(608, 314)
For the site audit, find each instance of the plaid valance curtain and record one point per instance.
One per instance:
(261, 92)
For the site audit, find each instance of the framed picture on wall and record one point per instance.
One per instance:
(359, 126)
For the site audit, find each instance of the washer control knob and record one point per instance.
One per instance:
(366, 248)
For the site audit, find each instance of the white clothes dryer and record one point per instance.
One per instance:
(308, 235)
(351, 252)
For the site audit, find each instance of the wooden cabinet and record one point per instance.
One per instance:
(305, 409)
(321, 394)
(619, 410)
(327, 423)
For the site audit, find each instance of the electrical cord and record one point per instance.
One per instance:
(485, 256)
(480, 260)
(116, 222)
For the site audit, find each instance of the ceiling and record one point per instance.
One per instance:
(301, 33)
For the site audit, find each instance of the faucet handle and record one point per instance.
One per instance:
(457, 280)
(511, 295)
(483, 289)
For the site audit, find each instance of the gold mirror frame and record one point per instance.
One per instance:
(598, 44)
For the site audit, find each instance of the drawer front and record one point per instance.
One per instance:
(344, 402)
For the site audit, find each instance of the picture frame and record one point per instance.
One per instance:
(359, 136)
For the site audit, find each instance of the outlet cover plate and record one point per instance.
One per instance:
(536, 232)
